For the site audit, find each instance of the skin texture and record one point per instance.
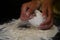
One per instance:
(47, 12)
(29, 8)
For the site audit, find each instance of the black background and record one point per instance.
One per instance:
(10, 9)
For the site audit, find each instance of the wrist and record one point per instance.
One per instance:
(47, 1)
(36, 1)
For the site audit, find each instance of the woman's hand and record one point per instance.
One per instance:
(47, 12)
(27, 10)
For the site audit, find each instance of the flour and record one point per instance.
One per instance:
(10, 31)
(38, 19)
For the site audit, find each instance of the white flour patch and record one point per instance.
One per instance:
(10, 31)
(38, 19)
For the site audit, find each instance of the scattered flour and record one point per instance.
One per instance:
(10, 31)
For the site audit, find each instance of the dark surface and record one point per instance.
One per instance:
(57, 36)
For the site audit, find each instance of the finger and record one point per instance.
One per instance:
(23, 12)
(47, 26)
(48, 20)
(32, 8)
(44, 10)
(50, 11)
(23, 17)
(29, 13)
(23, 8)
(49, 17)
(51, 24)
(32, 16)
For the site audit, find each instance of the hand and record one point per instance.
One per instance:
(47, 12)
(27, 10)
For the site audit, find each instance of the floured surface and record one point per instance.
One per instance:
(10, 31)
